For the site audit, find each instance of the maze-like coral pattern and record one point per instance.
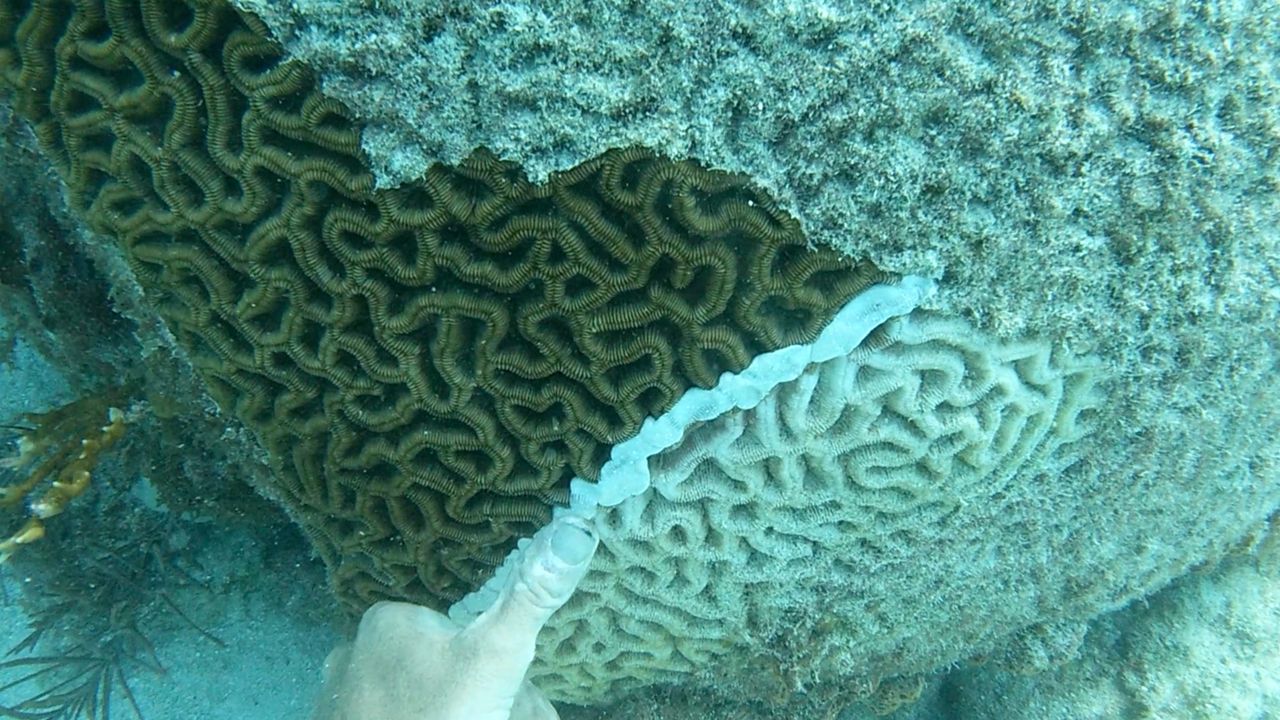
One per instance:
(428, 366)
(838, 477)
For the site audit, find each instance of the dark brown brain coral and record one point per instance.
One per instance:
(427, 366)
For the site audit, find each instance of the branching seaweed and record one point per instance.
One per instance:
(97, 587)
(65, 686)
(61, 446)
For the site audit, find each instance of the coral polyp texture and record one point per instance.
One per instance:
(801, 507)
(428, 366)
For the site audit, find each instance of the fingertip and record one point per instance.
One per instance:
(573, 542)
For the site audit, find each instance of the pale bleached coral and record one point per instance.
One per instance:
(865, 501)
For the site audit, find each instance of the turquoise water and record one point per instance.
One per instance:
(1068, 454)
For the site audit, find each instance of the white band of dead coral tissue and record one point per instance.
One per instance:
(626, 473)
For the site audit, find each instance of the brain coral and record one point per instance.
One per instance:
(428, 366)
(813, 504)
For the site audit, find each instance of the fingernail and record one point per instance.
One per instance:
(572, 544)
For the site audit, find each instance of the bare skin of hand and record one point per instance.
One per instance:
(412, 663)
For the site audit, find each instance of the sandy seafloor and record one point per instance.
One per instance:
(271, 609)
(269, 668)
